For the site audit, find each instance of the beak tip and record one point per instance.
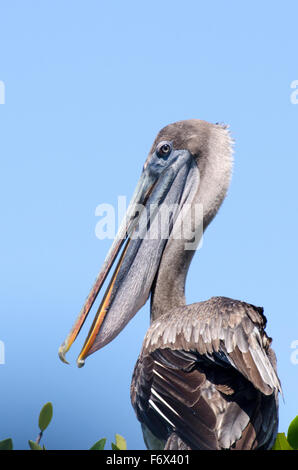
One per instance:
(80, 362)
(61, 354)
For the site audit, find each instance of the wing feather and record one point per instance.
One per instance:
(207, 377)
(220, 325)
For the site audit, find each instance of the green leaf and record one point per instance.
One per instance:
(293, 433)
(45, 416)
(6, 444)
(114, 447)
(34, 446)
(120, 442)
(99, 445)
(281, 442)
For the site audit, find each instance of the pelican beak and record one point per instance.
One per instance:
(130, 284)
(141, 193)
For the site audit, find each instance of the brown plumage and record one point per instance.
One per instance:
(206, 378)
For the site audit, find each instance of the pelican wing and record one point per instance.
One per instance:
(208, 376)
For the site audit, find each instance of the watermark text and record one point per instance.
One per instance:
(2, 92)
(294, 354)
(2, 352)
(294, 94)
(154, 222)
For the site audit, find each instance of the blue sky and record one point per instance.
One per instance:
(87, 87)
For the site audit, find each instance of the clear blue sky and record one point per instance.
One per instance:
(88, 85)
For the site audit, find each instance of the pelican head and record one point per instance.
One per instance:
(189, 164)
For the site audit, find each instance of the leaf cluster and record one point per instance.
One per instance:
(45, 417)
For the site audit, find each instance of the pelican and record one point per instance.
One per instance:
(206, 376)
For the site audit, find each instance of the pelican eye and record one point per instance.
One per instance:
(164, 150)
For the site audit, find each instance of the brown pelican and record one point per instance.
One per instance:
(206, 375)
